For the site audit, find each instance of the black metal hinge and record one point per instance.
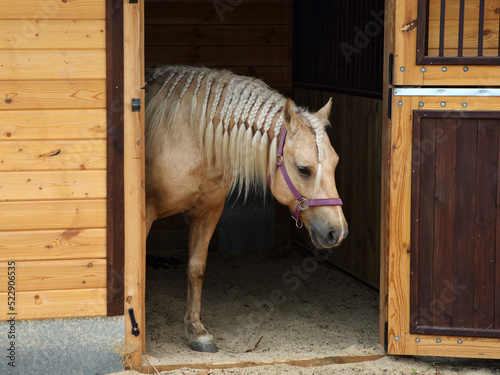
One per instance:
(132, 1)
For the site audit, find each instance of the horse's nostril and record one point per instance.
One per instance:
(332, 237)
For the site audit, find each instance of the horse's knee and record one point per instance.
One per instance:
(196, 271)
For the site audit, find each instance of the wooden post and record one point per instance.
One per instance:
(386, 165)
(135, 230)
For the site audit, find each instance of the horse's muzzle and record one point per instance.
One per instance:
(329, 237)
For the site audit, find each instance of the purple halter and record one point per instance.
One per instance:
(302, 203)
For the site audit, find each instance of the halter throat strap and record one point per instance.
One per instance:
(302, 203)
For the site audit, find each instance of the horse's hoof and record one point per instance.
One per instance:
(203, 346)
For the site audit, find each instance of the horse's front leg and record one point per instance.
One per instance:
(201, 228)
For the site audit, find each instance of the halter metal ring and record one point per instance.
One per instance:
(298, 223)
(303, 204)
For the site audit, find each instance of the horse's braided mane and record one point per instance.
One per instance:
(236, 119)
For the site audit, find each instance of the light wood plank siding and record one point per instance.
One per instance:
(53, 157)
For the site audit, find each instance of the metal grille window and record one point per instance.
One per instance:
(458, 32)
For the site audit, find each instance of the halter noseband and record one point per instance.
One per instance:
(302, 203)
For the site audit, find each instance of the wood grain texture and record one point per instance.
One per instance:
(52, 35)
(471, 347)
(115, 235)
(134, 198)
(53, 124)
(253, 39)
(470, 35)
(52, 244)
(19, 95)
(442, 145)
(399, 229)
(208, 14)
(55, 64)
(465, 219)
(52, 155)
(216, 56)
(52, 185)
(471, 9)
(75, 214)
(407, 73)
(212, 35)
(56, 275)
(385, 167)
(356, 137)
(34, 10)
(485, 228)
(52, 304)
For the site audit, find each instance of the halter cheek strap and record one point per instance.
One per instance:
(302, 203)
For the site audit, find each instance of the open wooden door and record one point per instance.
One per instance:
(441, 191)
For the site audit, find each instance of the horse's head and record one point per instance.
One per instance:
(304, 178)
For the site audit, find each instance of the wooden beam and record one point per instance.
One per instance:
(114, 158)
(298, 362)
(385, 166)
(135, 228)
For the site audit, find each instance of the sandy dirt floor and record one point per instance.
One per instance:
(270, 306)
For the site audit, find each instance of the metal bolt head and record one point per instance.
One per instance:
(466, 68)
(417, 340)
(438, 341)
(421, 104)
(422, 69)
(400, 103)
(402, 69)
(443, 104)
(396, 338)
(444, 68)
(464, 104)
(459, 341)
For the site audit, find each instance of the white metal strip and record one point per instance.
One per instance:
(446, 92)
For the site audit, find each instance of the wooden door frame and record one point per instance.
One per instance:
(134, 178)
(114, 158)
(126, 231)
(385, 167)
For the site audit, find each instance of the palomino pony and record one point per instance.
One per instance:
(208, 132)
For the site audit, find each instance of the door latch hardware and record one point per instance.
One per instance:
(135, 326)
(136, 105)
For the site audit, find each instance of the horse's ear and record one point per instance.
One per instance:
(324, 113)
(289, 117)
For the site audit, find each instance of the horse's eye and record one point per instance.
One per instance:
(304, 171)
